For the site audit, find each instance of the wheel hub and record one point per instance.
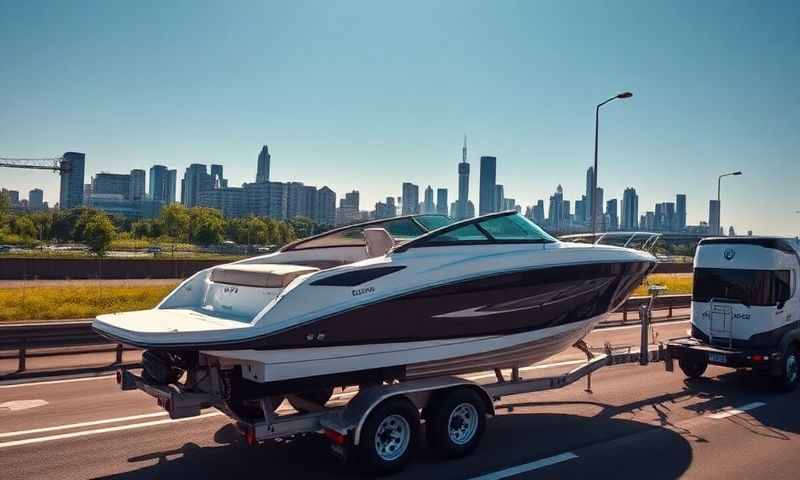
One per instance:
(392, 437)
(463, 423)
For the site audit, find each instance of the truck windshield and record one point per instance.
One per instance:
(750, 287)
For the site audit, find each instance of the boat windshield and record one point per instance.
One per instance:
(505, 227)
(400, 228)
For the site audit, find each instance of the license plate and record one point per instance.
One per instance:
(717, 358)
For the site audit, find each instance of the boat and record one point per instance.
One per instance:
(389, 300)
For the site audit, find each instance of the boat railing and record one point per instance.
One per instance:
(645, 241)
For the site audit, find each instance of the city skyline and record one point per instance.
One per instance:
(719, 99)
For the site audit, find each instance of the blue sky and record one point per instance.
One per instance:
(367, 95)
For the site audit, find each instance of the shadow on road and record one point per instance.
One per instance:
(510, 440)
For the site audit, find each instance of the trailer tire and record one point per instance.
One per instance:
(388, 437)
(790, 370)
(455, 423)
(693, 368)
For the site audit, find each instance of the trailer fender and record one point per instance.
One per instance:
(420, 392)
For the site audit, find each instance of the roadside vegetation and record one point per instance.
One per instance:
(676, 283)
(25, 301)
(177, 228)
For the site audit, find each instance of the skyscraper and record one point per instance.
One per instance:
(112, 184)
(172, 184)
(262, 175)
(538, 212)
(630, 210)
(680, 212)
(463, 184)
(670, 221)
(488, 181)
(410, 198)
(36, 199)
(348, 208)
(72, 166)
(158, 183)
(555, 214)
(429, 206)
(499, 195)
(195, 180)
(326, 206)
(589, 196)
(713, 217)
(611, 213)
(301, 201)
(217, 178)
(137, 184)
(441, 201)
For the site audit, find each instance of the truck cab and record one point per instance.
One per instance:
(745, 308)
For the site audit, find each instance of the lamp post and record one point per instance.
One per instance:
(719, 203)
(593, 193)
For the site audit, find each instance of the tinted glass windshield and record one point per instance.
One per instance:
(506, 228)
(399, 228)
(750, 287)
(432, 222)
(514, 227)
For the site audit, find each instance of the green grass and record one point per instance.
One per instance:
(676, 283)
(76, 301)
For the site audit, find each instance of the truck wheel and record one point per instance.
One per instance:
(693, 368)
(790, 370)
(310, 401)
(388, 436)
(455, 423)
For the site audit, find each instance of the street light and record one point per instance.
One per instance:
(593, 193)
(719, 203)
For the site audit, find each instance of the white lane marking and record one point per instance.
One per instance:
(527, 467)
(82, 424)
(87, 433)
(53, 382)
(629, 327)
(735, 411)
(17, 405)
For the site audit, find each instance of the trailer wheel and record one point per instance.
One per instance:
(455, 423)
(693, 368)
(790, 370)
(388, 437)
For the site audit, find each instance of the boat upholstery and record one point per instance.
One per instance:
(378, 240)
(264, 275)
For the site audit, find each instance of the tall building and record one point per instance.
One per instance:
(611, 213)
(268, 199)
(488, 181)
(262, 174)
(410, 198)
(13, 196)
(72, 168)
(670, 221)
(137, 185)
(499, 196)
(565, 211)
(538, 212)
(580, 209)
(158, 184)
(326, 206)
(589, 196)
(713, 217)
(630, 210)
(598, 199)
(680, 212)
(195, 180)
(112, 184)
(441, 201)
(230, 201)
(36, 199)
(660, 217)
(301, 201)
(463, 184)
(348, 208)
(555, 214)
(429, 206)
(217, 178)
(172, 185)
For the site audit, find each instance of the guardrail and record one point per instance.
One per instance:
(24, 337)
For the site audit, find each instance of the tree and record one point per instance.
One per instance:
(175, 221)
(98, 234)
(303, 227)
(24, 227)
(208, 230)
(140, 229)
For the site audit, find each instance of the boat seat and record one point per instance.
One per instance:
(259, 275)
(378, 240)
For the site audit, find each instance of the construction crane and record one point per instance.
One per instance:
(53, 164)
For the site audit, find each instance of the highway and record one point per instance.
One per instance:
(636, 421)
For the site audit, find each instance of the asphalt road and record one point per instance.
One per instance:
(637, 421)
